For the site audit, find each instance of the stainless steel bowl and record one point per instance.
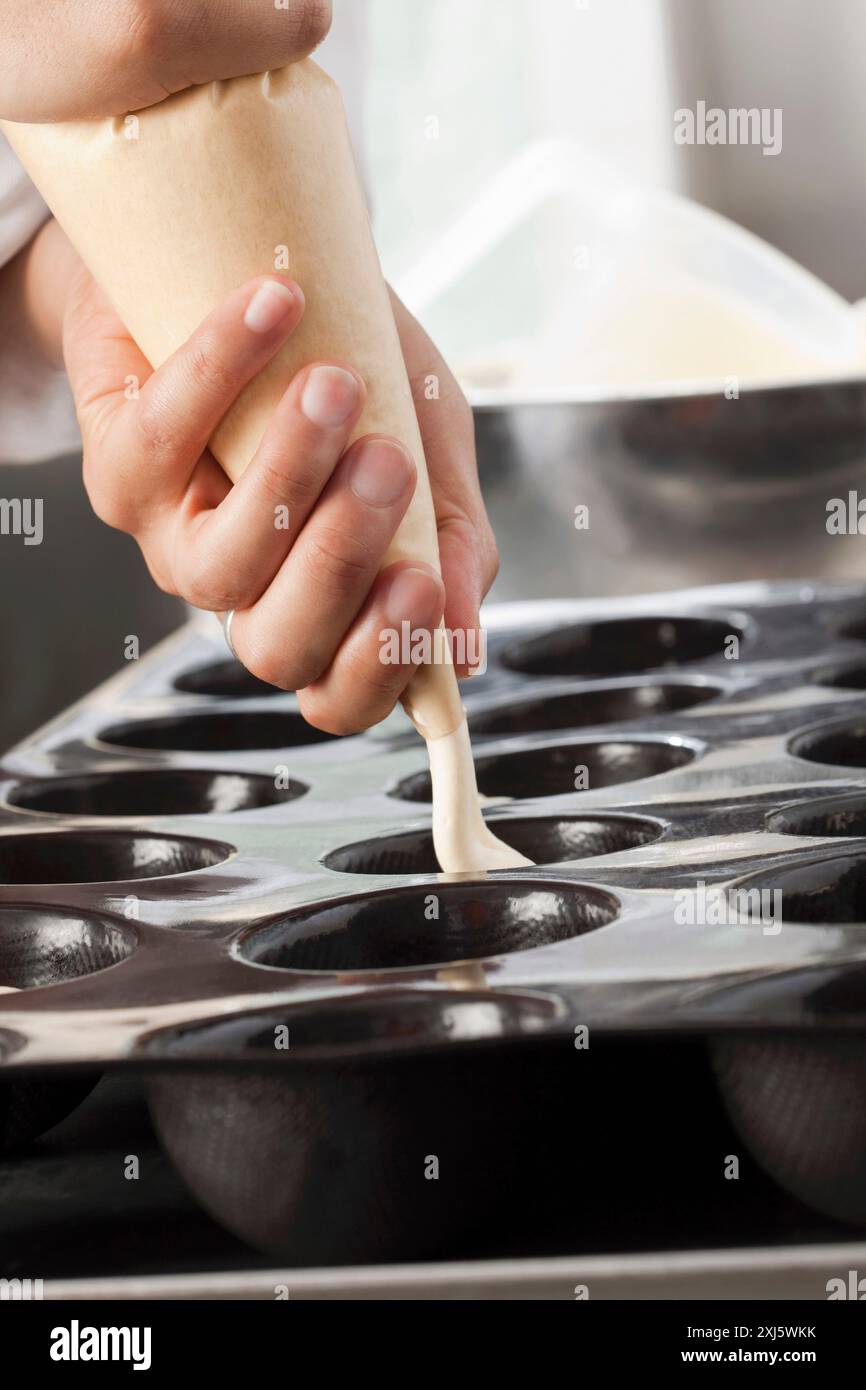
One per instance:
(681, 489)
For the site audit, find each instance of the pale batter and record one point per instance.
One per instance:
(463, 843)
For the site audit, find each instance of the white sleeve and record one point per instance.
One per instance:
(37, 417)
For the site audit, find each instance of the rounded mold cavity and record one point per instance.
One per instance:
(228, 680)
(47, 946)
(392, 931)
(800, 1106)
(551, 771)
(154, 792)
(543, 839)
(92, 856)
(826, 891)
(321, 1162)
(620, 646)
(834, 745)
(42, 946)
(613, 704)
(216, 733)
(375, 1024)
(843, 815)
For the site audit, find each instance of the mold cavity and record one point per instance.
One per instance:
(619, 646)
(102, 856)
(840, 745)
(216, 733)
(151, 793)
(358, 1027)
(543, 839)
(576, 708)
(822, 891)
(390, 930)
(45, 946)
(226, 679)
(533, 772)
(832, 815)
(799, 1104)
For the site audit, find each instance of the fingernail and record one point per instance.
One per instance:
(329, 397)
(415, 594)
(270, 305)
(380, 473)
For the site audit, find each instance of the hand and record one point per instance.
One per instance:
(62, 61)
(311, 601)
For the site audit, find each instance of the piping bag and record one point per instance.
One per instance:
(174, 206)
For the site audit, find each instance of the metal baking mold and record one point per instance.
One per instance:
(641, 751)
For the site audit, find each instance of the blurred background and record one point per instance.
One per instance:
(527, 192)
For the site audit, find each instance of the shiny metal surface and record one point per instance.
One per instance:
(798, 1273)
(683, 790)
(637, 748)
(680, 490)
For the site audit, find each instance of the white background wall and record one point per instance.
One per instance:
(610, 73)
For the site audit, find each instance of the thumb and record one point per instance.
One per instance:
(102, 361)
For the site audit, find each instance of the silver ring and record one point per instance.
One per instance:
(226, 621)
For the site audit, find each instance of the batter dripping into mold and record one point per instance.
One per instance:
(463, 843)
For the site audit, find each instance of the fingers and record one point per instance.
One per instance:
(467, 547)
(290, 636)
(380, 652)
(227, 557)
(144, 431)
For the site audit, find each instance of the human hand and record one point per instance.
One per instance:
(63, 62)
(311, 600)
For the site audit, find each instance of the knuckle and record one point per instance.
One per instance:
(337, 559)
(376, 683)
(210, 374)
(326, 714)
(155, 432)
(307, 665)
(295, 489)
(205, 584)
(262, 657)
(267, 666)
(202, 594)
(266, 653)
